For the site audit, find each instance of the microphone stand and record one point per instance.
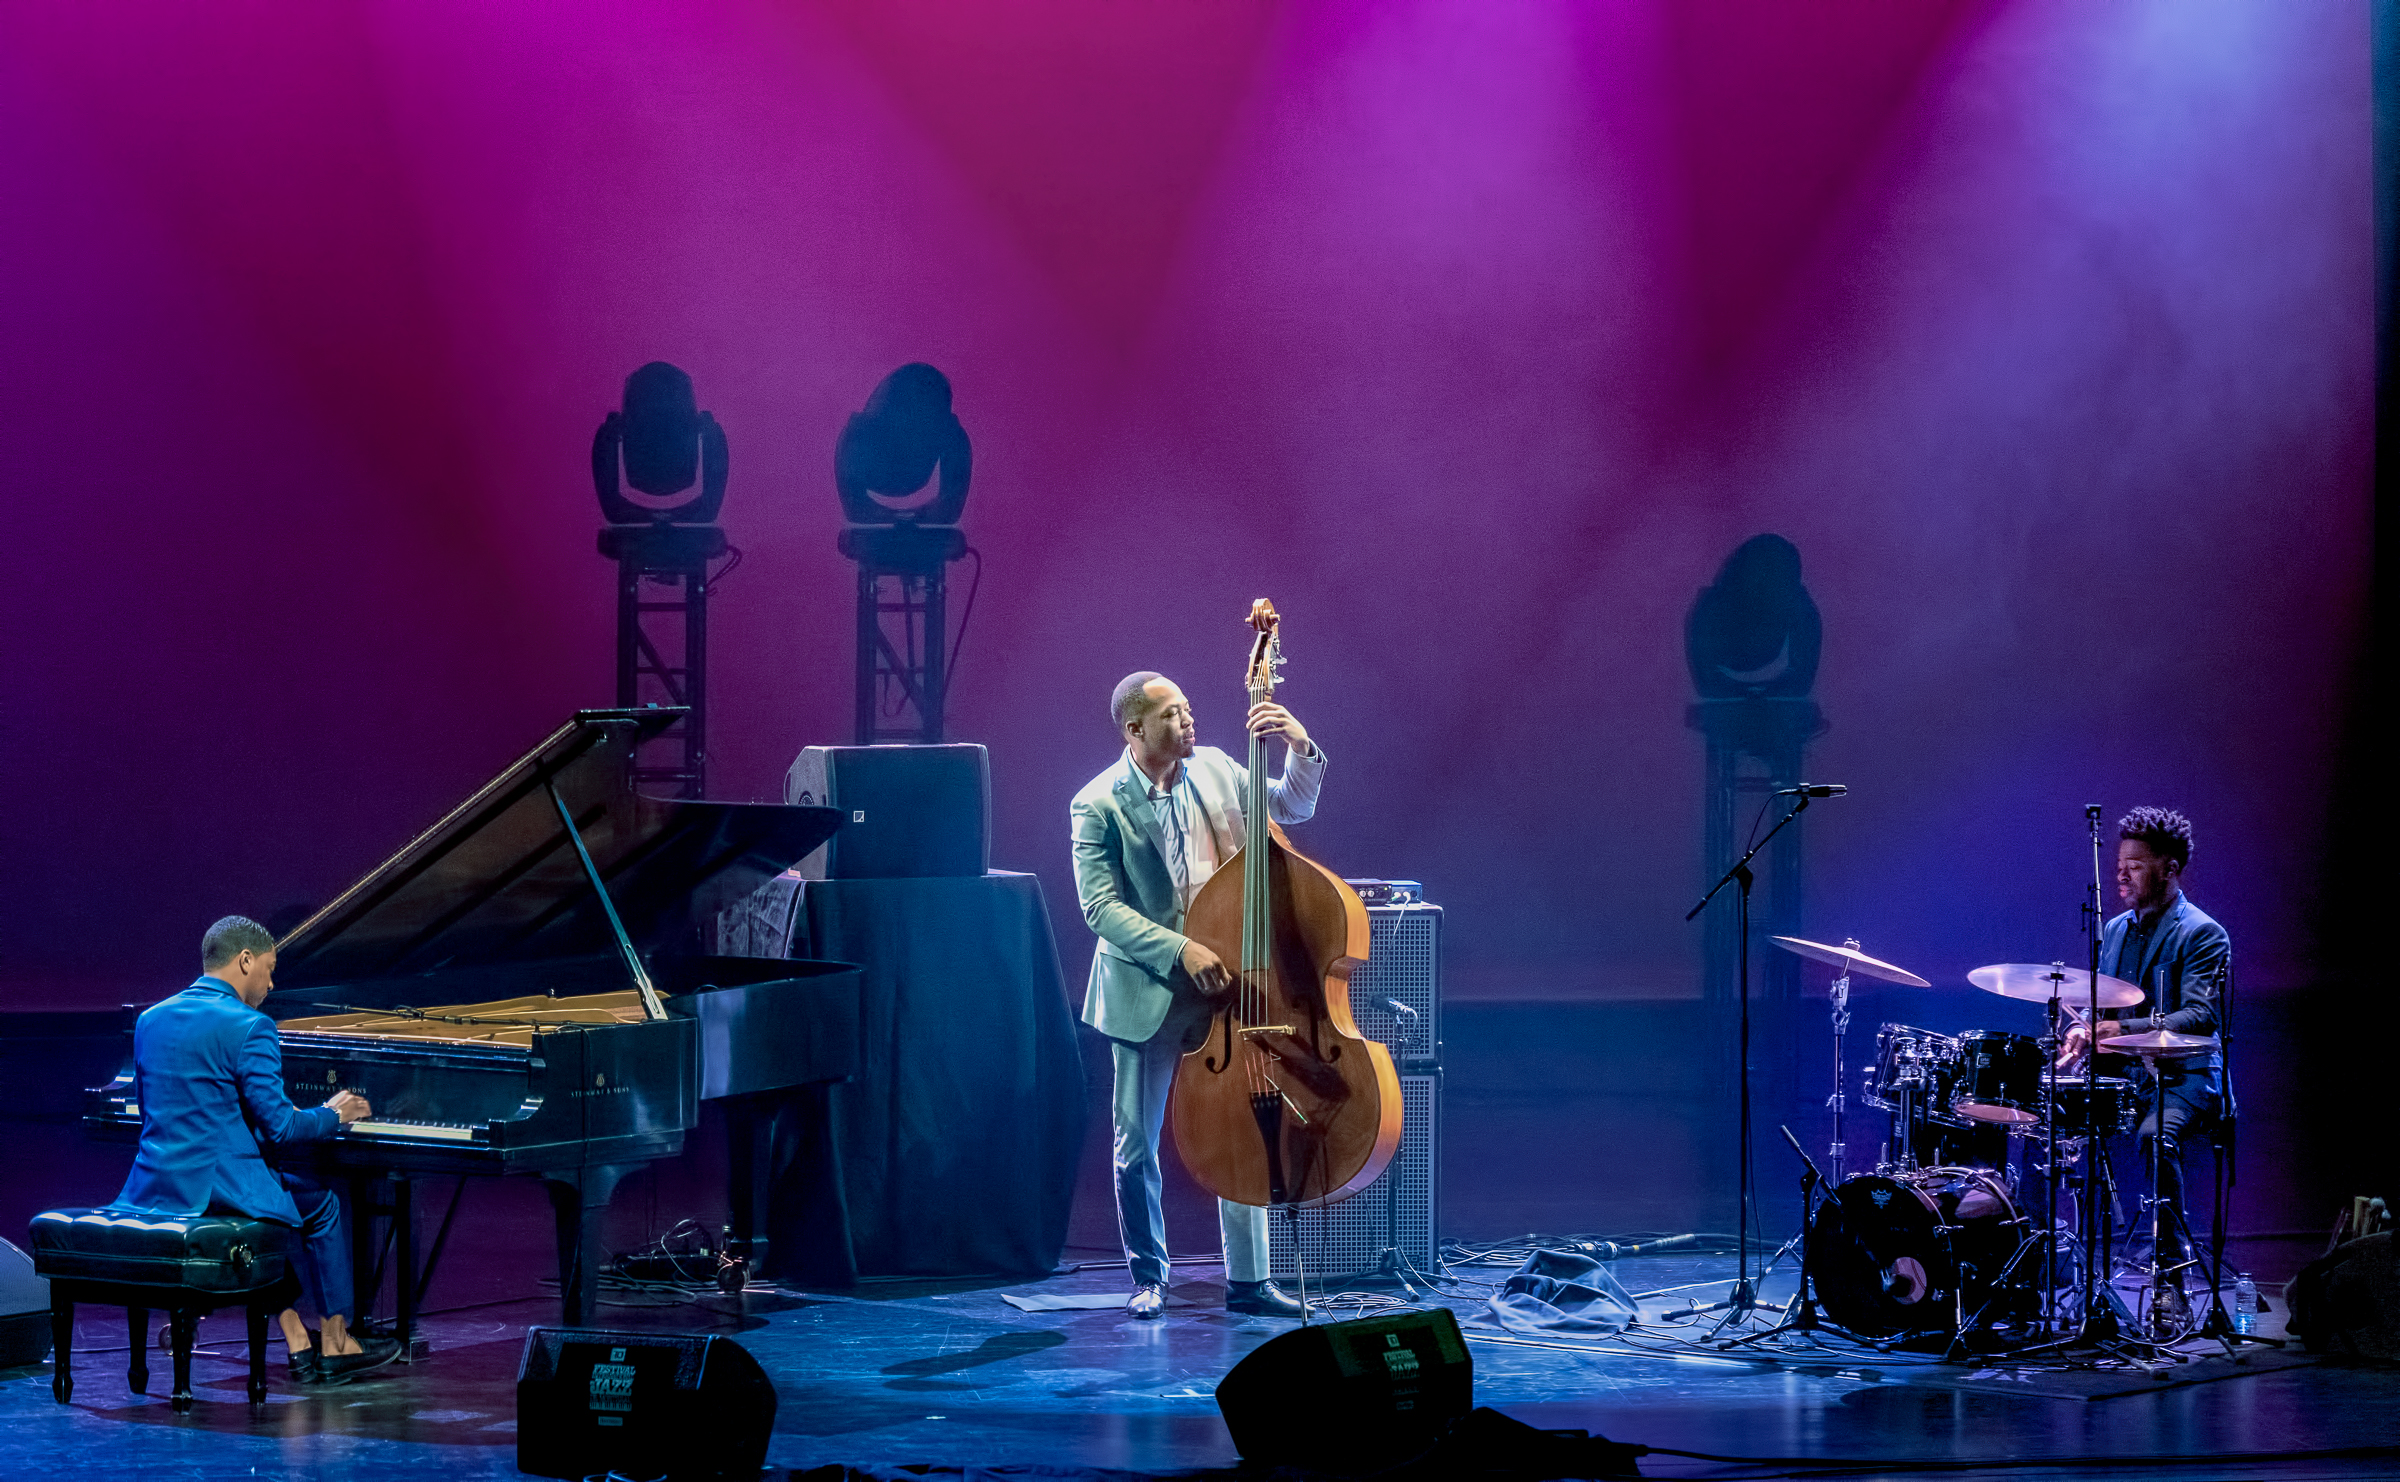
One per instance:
(1744, 1300)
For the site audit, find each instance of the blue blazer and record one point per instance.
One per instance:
(209, 1071)
(2186, 963)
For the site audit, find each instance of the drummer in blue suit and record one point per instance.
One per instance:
(209, 1072)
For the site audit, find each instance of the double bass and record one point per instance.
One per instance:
(1285, 1104)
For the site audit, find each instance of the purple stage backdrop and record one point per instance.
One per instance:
(1474, 332)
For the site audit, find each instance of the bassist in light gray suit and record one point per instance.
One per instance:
(1149, 832)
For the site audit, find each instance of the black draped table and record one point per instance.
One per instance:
(958, 1139)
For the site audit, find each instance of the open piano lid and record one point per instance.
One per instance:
(498, 881)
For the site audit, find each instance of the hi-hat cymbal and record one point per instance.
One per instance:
(2039, 982)
(2160, 1044)
(1843, 957)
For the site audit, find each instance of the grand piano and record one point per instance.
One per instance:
(521, 990)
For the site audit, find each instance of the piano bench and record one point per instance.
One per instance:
(185, 1265)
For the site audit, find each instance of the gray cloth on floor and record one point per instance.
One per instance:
(1558, 1291)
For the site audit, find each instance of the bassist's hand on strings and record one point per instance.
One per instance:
(1270, 719)
(1206, 970)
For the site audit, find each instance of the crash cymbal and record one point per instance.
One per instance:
(2160, 1044)
(1844, 957)
(2036, 982)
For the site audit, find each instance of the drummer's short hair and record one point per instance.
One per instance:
(2163, 831)
(230, 938)
(1131, 700)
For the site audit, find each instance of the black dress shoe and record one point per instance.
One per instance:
(1261, 1299)
(304, 1366)
(373, 1353)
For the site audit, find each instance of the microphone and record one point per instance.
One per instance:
(1609, 1250)
(1399, 1009)
(1812, 790)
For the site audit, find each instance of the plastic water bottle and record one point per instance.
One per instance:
(2245, 1303)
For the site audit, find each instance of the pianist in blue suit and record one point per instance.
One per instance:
(209, 1073)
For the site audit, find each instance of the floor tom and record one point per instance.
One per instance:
(2109, 1107)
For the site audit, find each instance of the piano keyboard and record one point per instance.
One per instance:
(437, 1131)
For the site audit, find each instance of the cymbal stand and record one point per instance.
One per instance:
(2165, 1215)
(2218, 1324)
(1744, 1299)
(1839, 992)
(2099, 1325)
(2053, 1012)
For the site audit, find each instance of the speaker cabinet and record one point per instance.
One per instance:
(1398, 1211)
(591, 1401)
(908, 811)
(1350, 1396)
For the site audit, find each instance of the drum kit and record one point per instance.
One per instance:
(1935, 1241)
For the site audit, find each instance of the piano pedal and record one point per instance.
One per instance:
(733, 1271)
(415, 1351)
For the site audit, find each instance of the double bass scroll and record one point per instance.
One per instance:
(1285, 1103)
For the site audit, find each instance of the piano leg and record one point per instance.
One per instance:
(579, 1198)
(404, 1241)
(358, 1222)
(749, 1164)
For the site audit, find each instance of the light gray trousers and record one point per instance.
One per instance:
(1145, 1072)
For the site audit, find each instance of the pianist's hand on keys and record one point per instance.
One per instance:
(349, 1105)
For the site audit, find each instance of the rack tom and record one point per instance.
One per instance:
(1916, 1069)
(1999, 1077)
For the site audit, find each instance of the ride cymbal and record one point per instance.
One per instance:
(2038, 982)
(1844, 957)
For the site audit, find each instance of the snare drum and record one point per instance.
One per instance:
(1999, 1077)
(2108, 1107)
(1915, 1067)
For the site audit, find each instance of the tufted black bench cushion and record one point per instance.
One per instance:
(188, 1265)
(212, 1253)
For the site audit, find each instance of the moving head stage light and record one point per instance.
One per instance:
(662, 535)
(904, 534)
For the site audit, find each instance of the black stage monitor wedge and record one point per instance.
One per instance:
(1350, 1396)
(677, 1405)
(24, 1310)
(907, 811)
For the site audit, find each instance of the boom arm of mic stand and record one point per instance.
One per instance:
(1741, 866)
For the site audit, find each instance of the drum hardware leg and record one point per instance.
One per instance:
(1803, 1318)
(1840, 1008)
(1999, 1289)
(2219, 1323)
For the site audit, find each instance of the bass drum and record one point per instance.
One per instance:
(1881, 1264)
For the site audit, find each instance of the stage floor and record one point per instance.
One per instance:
(951, 1375)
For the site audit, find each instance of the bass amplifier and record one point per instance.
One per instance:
(1397, 1212)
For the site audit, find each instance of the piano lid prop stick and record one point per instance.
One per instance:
(651, 1007)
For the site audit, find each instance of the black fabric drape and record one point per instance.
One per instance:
(960, 1135)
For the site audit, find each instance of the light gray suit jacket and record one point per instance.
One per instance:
(1128, 896)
